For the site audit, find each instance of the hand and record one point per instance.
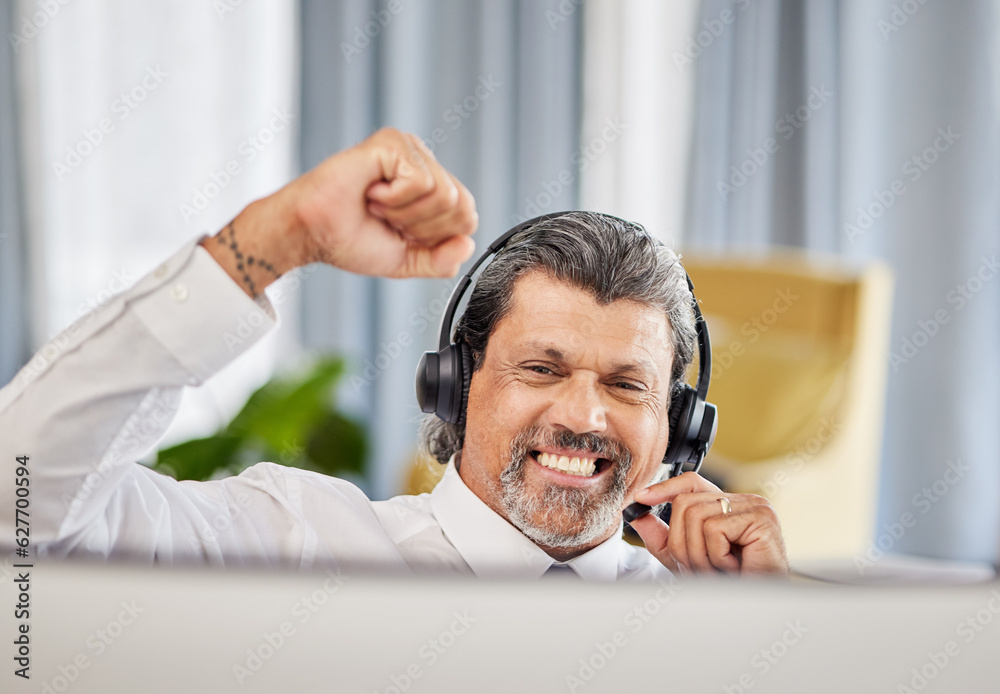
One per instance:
(386, 207)
(701, 538)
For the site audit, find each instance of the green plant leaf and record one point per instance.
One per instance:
(338, 445)
(288, 420)
(199, 459)
(284, 411)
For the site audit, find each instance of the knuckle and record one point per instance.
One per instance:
(387, 132)
(770, 514)
(471, 224)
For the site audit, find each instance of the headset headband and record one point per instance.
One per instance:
(704, 341)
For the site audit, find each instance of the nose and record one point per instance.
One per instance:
(578, 406)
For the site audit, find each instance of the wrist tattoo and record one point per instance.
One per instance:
(245, 263)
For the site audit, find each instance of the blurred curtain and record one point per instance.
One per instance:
(635, 140)
(871, 129)
(493, 87)
(142, 126)
(15, 342)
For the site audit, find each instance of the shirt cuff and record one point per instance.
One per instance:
(198, 313)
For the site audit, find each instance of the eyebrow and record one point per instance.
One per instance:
(642, 365)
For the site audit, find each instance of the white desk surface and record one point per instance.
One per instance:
(144, 630)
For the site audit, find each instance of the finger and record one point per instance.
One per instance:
(406, 170)
(432, 218)
(462, 219)
(677, 539)
(687, 542)
(655, 533)
(697, 514)
(720, 534)
(755, 536)
(459, 217)
(424, 211)
(667, 490)
(442, 260)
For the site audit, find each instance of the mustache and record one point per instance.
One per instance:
(534, 437)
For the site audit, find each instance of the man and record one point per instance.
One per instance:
(560, 370)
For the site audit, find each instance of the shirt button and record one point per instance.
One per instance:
(180, 292)
(160, 272)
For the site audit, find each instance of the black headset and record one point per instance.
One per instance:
(443, 380)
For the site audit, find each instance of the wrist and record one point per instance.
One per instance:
(262, 243)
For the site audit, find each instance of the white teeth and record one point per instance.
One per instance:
(583, 467)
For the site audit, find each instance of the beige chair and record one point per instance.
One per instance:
(799, 352)
(422, 474)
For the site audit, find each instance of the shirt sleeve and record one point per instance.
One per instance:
(99, 395)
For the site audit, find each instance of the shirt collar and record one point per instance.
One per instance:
(493, 548)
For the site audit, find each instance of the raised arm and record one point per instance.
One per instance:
(384, 207)
(101, 394)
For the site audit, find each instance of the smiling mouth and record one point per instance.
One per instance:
(578, 467)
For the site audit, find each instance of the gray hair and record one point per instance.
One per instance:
(613, 259)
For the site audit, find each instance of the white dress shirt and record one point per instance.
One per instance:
(98, 397)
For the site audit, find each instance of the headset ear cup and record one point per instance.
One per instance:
(462, 386)
(678, 420)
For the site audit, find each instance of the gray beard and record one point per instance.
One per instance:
(543, 517)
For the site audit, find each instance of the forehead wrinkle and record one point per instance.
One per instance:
(570, 300)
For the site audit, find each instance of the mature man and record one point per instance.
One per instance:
(577, 341)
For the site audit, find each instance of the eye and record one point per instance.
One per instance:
(539, 369)
(626, 385)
